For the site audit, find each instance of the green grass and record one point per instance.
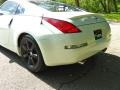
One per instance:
(115, 17)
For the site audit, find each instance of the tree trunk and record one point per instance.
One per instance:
(115, 5)
(103, 3)
(109, 4)
(77, 3)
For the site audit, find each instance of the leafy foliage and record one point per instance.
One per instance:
(91, 5)
(1, 1)
(112, 17)
(70, 2)
(106, 6)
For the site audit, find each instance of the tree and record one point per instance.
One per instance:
(109, 5)
(115, 5)
(1, 1)
(106, 6)
(77, 3)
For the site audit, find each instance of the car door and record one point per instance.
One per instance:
(7, 11)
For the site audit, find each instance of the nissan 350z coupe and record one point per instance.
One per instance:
(47, 33)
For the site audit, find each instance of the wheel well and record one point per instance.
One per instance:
(20, 38)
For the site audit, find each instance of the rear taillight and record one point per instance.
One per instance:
(63, 26)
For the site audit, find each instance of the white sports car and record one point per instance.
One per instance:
(47, 33)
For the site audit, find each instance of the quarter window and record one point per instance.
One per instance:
(20, 10)
(9, 7)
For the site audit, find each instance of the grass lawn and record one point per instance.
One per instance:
(112, 17)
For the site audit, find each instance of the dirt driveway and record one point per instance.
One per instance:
(104, 75)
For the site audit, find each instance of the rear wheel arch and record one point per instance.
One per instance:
(20, 38)
(31, 53)
(26, 35)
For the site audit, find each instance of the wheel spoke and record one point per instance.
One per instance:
(31, 61)
(32, 47)
(25, 55)
(24, 48)
(35, 56)
(27, 44)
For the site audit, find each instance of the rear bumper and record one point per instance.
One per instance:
(55, 53)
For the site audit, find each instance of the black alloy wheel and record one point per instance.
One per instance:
(31, 54)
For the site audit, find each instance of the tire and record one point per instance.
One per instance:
(31, 54)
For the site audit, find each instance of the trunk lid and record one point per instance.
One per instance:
(93, 26)
(76, 18)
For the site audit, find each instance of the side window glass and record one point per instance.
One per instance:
(20, 10)
(9, 7)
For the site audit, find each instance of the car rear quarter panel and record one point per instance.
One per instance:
(26, 24)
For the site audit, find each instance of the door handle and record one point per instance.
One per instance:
(10, 22)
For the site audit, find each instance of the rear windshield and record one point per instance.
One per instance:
(56, 7)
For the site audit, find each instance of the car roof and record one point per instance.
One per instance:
(28, 0)
(30, 8)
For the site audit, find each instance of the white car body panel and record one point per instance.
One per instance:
(52, 41)
(4, 28)
(35, 30)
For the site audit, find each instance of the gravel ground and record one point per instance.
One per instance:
(104, 75)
